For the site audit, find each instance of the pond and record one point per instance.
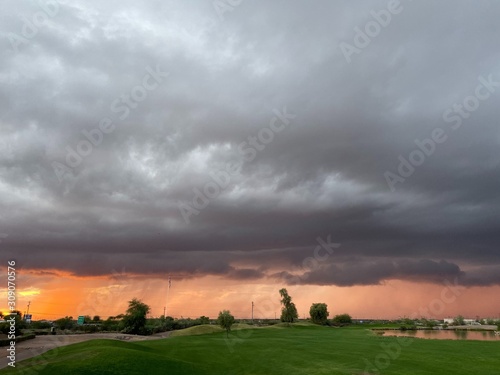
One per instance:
(446, 335)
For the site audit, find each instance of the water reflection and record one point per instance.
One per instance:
(461, 335)
(446, 335)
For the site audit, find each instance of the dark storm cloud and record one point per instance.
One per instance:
(322, 174)
(374, 272)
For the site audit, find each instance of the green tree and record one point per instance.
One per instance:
(204, 319)
(65, 323)
(429, 323)
(319, 313)
(458, 320)
(111, 324)
(407, 321)
(135, 318)
(288, 311)
(225, 320)
(18, 326)
(96, 319)
(40, 325)
(342, 319)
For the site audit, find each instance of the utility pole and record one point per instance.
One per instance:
(168, 291)
(252, 312)
(27, 311)
(164, 308)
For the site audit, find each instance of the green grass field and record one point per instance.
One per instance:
(300, 349)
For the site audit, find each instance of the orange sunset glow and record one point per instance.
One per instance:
(54, 296)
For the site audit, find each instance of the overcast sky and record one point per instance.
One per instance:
(228, 138)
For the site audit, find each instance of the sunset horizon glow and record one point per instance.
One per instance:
(67, 295)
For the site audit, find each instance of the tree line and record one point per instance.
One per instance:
(318, 314)
(135, 321)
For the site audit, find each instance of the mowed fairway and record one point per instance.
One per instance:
(300, 349)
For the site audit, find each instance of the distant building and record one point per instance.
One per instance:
(468, 322)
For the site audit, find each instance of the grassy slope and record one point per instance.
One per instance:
(196, 330)
(275, 350)
(204, 329)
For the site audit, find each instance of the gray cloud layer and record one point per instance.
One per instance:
(322, 174)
